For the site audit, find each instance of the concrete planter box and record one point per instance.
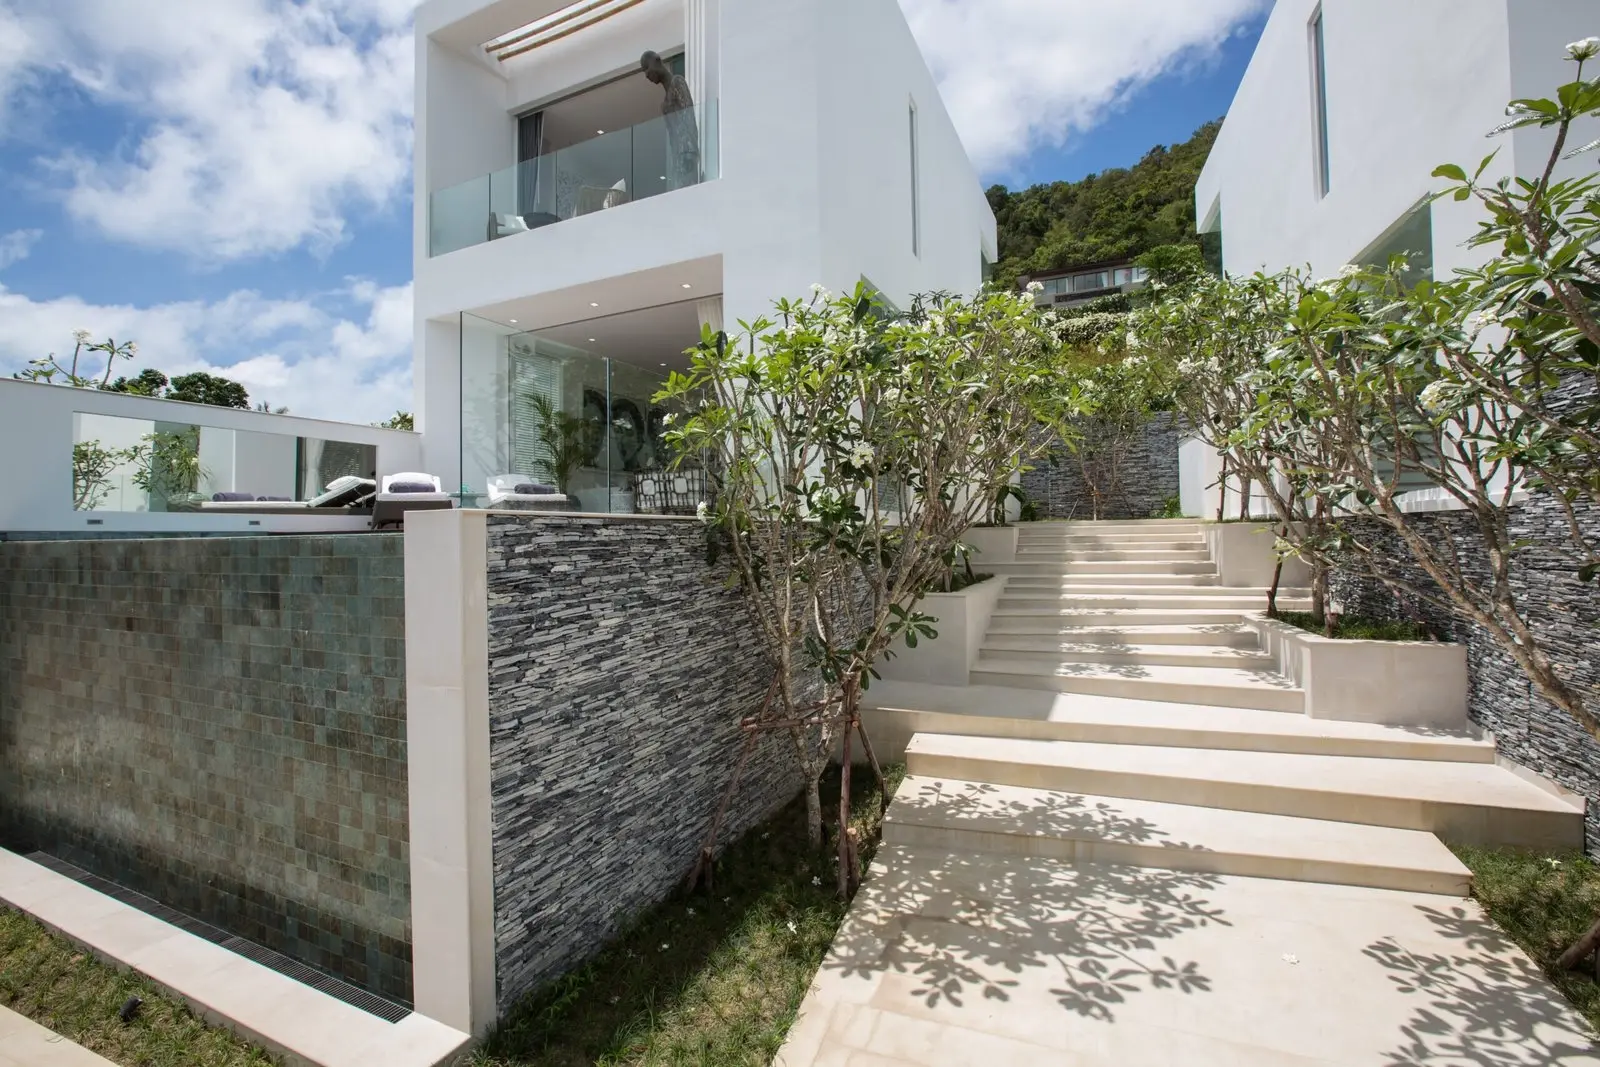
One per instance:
(1394, 683)
(963, 622)
(995, 544)
(1243, 554)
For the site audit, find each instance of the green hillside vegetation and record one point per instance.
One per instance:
(1111, 215)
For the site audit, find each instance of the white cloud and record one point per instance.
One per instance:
(16, 245)
(351, 364)
(1020, 74)
(265, 123)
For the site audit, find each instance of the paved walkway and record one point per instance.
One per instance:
(24, 1043)
(953, 959)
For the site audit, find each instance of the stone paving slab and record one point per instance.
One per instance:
(959, 958)
(24, 1043)
(303, 1026)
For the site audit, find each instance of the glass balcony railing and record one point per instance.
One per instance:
(604, 172)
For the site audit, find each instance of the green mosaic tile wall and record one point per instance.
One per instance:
(219, 723)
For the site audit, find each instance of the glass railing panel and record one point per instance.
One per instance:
(457, 216)
(604, 172)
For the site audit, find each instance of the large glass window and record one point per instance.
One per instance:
(572, 407)
(1319, 93)
(916, 188)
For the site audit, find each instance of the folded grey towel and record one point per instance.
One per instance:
(533, 489)
(233, 498)
(273, 499)
(411, 487)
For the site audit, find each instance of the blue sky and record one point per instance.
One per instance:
(228, 182)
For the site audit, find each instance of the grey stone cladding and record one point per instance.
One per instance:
(1149, 478)
(620, 664)
(1564, 614)
(219, 723)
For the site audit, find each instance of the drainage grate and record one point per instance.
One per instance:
(384, 1009)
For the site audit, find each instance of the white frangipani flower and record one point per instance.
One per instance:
(1435, 396)
(133, 348)
(861, 456)
(1036, 287)
(81, 336)
(1587, 48)
(1349, 270)
(702, 511)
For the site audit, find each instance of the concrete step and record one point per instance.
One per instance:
(1265, 690)
(1029, 620)
(1233, 635)
(1094, 524)
(1066, 564)
(1124, 567)
(1034, 582)
(901, 709)
(1101, 598)
(1162, 543)
(1466, 803)
(1066, 650)
(1050, 824)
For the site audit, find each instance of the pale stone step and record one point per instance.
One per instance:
(1226, 686)
(1010, 620)
(1466, 803)
(1096, 598)
(1044, 582)
(901, 709)
(1234, 635)
(1163, 543)
(1067, 650)
(1050, 824)
(1046, 524)
(1125, 567)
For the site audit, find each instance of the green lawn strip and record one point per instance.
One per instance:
(1356, 628)
(1544, 904)
(708, 979)
(61, 986)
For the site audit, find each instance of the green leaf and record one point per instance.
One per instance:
(1451, 171)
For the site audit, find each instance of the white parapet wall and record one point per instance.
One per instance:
(1394, 683)
(1244, 555)
(41, 424)
(994, 544)
(963, 622)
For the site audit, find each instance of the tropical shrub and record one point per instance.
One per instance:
(854, 448)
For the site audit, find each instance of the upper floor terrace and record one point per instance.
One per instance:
(532, 113)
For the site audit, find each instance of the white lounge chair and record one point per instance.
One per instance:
(409, 491)
(503, 494)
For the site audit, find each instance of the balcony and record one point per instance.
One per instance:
(600, 174)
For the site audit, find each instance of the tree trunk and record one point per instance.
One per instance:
(1319, 595)
(1272, 590)
(1222, 488)
(1585, 946)
(846, 871)
(814, 813)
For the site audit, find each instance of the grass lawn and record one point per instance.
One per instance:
(58, 985)
(705, 979)
(1544, 905)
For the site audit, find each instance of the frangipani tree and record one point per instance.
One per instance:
(854, 448)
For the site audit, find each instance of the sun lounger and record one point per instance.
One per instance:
(518, 492)
(401, 493)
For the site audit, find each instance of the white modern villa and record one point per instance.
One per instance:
(578, 223)
(572, 239)
(1328, 150)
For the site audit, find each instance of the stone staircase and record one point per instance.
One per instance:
(1120, 711)
(1130, 609)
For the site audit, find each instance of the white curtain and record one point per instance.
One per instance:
(709, 311)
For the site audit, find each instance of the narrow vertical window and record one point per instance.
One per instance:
(916, 189)
(1319, 101)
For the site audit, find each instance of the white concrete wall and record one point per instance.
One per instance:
(1409, 86)
(870, 74)
(40, 423)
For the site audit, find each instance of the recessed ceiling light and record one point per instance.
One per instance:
(593, 304)
(513, 322)
(663, 177)
(686, 285)
(663, 364)
(601, 132)
(591, 340)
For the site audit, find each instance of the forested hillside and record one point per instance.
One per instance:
(1113, 214)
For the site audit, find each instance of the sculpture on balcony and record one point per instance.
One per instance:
(683, 132)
